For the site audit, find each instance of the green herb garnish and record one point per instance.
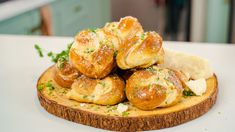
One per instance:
(188, 93)
(108, 106)
(151, 69)
(50, 54)
(115, 53)
(89, 50)
(114, 107)
(62, 56)
(150, 86)
(41, 86)
(142, 36)
(84, 96)
(96, 108)
(48, 85)
(109, 110)
(92, 30)
(39, 50)
(102, 83)
(125, 113)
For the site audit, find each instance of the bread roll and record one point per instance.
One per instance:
(126, 28)
(65, 74)
(108, 91)
(140, 51)
(92, 52)
(154, 87)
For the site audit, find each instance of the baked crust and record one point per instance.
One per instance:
(93, 53)
(154, 87)
(65, 75)
(107, 91)
(126, 28)
(140, 51)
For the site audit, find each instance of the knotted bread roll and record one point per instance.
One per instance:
(140, 51)
(108, 91)
(65, 74)
(92, 52)
(126, 28)
(154, 87)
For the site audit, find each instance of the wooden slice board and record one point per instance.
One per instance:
(107, 117)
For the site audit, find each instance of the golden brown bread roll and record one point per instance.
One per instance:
(154, 87)
(92, 52)
(126, 28)
(65, 74)
(140, 51)
(108, 91)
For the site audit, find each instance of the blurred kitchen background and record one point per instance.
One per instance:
(175, 20)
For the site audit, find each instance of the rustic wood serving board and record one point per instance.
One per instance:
(107, 117)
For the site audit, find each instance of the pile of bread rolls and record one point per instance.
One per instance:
(117, 62)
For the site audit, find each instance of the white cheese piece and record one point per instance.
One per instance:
(122, 107)
(193, 66)
(197, 86)
(82, 104)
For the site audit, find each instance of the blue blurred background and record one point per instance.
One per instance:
(175, 20)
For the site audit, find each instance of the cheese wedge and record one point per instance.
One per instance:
(193, 66)
(197, 86)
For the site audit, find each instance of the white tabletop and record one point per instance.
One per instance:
(20, 67)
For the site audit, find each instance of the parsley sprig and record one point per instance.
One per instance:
(47, 85)
(151, 69)
(125, 113)
(142, 36)
(62, 57)
(92, 30)
(39, 50)
(188, 93)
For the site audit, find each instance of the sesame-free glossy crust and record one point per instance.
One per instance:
(188, 109)
(140, 52)
(147, 93)
(107, 91)
(100, 62)
(66, 75)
